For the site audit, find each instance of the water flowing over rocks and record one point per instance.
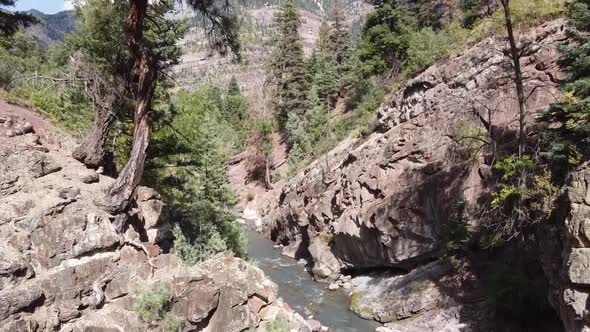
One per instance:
(384, 202)
(63, 265)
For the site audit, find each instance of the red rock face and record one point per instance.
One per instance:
(385, 201)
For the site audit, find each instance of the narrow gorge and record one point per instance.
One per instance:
(378, 207)
(295, 166)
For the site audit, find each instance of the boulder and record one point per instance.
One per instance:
(314, 325)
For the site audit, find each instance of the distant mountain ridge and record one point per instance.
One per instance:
(53, 27)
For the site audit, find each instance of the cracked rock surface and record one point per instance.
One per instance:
(63, 266)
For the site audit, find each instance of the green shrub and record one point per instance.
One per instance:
(426, 46)
(524, 14)
(171, 323)
(277, 325)
(517, 293)
(469, 139)
(151, 306)
(327, 238)
(456, 231)
(208, 243)
(206, 231)
(523, 197)
(67, 109)
(276, 177)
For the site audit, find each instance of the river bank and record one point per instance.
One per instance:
(306, 296)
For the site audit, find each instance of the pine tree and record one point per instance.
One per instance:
(323, 70)
(151, 59)
(11, 21)
(471, 12)
(233, 88)
(385, 38)
(287, 67)
(340, 44)
(569, 143)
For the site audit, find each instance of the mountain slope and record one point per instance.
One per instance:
(199, 65)
(53, 27)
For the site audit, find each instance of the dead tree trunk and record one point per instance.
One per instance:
(123, 190)
(514, 54)
(92, 151)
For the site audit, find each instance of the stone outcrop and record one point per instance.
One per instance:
(385, 201)
(63, 265)
(566, 254)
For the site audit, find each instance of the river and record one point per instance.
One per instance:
(303, 294)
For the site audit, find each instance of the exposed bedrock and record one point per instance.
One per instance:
(385, 201)
(64, 267)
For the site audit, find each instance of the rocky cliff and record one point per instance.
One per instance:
(199, 65)
(566, 254)
(385, 201)
(64, 267)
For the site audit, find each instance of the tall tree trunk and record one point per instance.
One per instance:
(123, 190)
(92, 151)
(514, 53)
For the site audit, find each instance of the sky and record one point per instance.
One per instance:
(45, 6)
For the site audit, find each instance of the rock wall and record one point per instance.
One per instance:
(566, 254)
(64, 267)
(385, 202)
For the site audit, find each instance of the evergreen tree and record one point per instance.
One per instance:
(340, 44)
(323, 69)
(287, 67)
(385, 38)
(11, 21)
(235, 107)
(97, 45)
(187, 163)
(471, 12)
(569, 143)
(233, 88)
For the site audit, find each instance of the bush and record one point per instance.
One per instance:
(517, 293)
(207, 232)
(469, 141)
(523, 197)
(152, 306)
(426, 46)
(524, 14)
(171, 323)
(327, 238)
(276, 177)
(277, 325)
(67, 109)
(456, 232)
